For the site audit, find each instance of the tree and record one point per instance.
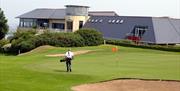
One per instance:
(3, 25)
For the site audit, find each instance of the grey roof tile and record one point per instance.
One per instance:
(59, 13)
(120, 30)
(166, 30)
(160, 30)
(45, 14)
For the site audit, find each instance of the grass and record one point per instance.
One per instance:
(34, 71)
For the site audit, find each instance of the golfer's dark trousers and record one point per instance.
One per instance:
(68, 64)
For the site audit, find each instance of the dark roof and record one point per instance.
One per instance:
(158, 31)
(102, 13)
(45, 14)
(166, 30)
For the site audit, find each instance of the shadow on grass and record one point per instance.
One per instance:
(8, 54)
(148, 79)
(59, 71)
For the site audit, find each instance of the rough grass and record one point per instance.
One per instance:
(35, 72)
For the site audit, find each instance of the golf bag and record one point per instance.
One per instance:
(63, 60)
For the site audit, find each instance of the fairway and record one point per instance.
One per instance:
(34, 71)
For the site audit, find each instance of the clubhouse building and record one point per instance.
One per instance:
(151, 30)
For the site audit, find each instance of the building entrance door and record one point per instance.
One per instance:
(69, 26)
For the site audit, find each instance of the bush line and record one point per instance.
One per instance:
(127, 43)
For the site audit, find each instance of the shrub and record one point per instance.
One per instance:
(91, 37)
(3, 42)
(25, 34)
(23, 40)
(23, 45)
(68, 40)
(60, 39)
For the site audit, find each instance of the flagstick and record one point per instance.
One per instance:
(115, 50)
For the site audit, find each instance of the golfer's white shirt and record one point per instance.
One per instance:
(69, 54)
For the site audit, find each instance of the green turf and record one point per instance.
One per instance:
(36, 72)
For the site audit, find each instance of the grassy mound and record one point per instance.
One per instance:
(40, 49)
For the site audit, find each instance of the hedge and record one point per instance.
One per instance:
(128, 43)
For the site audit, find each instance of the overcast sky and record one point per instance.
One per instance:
(156, 8)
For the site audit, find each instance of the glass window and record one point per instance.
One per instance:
(121, 21)
(117, 21)
(43, 23)
(58, 25)
(139, 31)
(27, 22)
(89, 20)
(101, 20)
(113, 21)
(109, 21)
(31, 24)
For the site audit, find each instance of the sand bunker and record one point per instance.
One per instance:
(75, 53)
(130, 85)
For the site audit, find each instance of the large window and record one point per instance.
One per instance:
(80, 24)
(58, 26)
(139, 31)
(27, 22)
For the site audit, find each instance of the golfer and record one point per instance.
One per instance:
(69, 56)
